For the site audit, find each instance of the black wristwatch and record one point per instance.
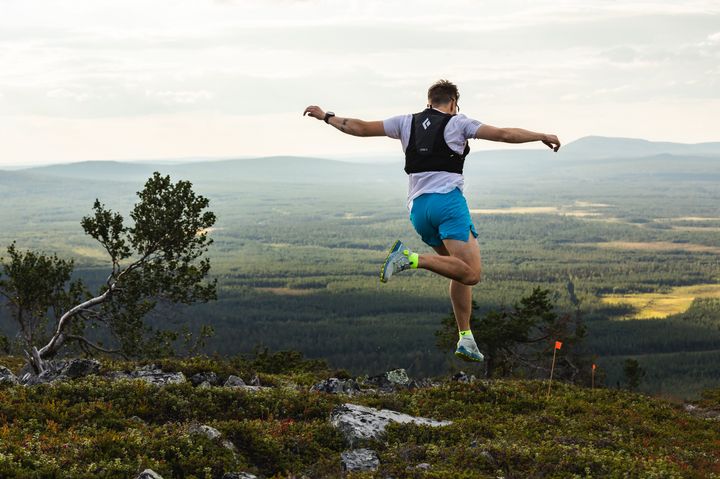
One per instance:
(328, 115)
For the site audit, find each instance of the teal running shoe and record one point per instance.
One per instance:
(467, 350)
(396, 261)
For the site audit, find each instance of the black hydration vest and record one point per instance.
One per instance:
(427, 149)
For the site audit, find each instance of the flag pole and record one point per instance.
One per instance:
(552, 369)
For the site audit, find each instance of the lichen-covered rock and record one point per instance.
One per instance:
(238, 475)
(397, 378)
(59, 370)
(7, 376)
(150, 374)
(462, 377)
(78, 368)
(361, 422)
(337, 386)
(234, 381)
(360, 460)
(708, 414)
(149, 474)
(208, 377)
(207, 431)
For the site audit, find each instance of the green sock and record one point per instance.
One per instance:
(413, 257)
(466, 334)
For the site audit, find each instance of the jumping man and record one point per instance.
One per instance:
(435, 145)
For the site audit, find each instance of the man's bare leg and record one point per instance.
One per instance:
(467, 253)
(459, 259)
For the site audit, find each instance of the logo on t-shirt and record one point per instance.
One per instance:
(426, 123)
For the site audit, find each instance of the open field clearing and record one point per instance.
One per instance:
(534, 210)
(288, 291)
(653, 246)
(662, 305)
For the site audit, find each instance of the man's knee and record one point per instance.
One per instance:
(474, 277)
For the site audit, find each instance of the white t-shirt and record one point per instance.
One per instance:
(457, 132)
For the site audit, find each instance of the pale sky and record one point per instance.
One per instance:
(108, 80)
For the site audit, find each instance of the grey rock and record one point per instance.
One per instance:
(336, 386)
(228, 445)
(360, 422)
(707, 414)
(255, 381)
(398, 376)
(150, 374)
(204, 385)
(207, 431)
(53, 372)
(78, 368)
(391, 380)
(423, 466)
(149, 474)
(238, 475)
(462, 377)
(208, 377)
(212, 434)
(7, 376)
(360, 460)
(234, 381)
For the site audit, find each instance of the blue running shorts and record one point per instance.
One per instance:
(439, 216)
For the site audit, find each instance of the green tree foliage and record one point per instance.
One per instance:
(518, 341)
(633, 373)
(37, 288)
(157, 258)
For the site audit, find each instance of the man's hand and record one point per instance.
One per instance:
(315, 112)
(552, 142)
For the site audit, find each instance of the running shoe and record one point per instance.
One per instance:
(467, 350)
(396, 261)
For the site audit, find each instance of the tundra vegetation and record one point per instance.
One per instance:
(97, 427)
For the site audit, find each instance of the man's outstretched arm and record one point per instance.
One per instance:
(516, 135)
(351, 126)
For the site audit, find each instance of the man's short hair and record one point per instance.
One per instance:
(442, 92)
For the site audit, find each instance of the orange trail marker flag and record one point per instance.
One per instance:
(558, 345)
(594, 366)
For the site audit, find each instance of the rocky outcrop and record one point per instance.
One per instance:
(149, 474)
(212, 434)
(60, 370)
(236, 382)
(390, 380)
(361, 422)
(462, 377)
(708, 414)
(206, 377)
(238, 475)
(337, 386)
(7, 376)
(360, 460)
(150, 374)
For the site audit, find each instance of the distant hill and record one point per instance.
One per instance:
(280, 168)
(589, 157)
(608, 147)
